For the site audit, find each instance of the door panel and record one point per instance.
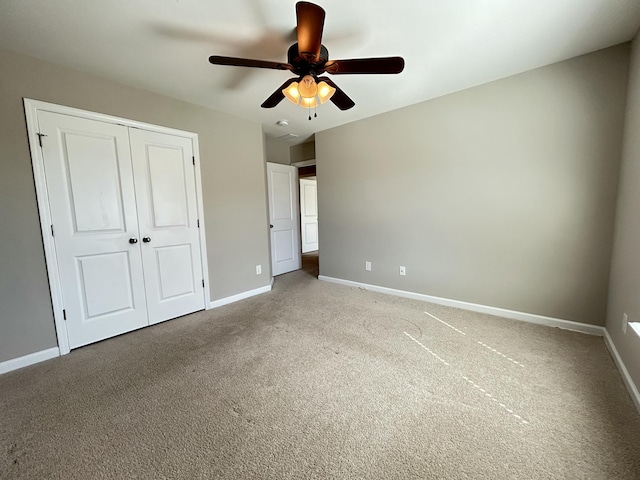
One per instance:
(282, 199)
(175, 272)
(309, 214)
(167, 182)
(91, 163)
(282, 183)
(284, 246)
(94, 273)
(167, 214)
(91, 197)
(310, 234)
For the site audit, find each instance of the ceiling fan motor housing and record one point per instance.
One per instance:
(302, 66)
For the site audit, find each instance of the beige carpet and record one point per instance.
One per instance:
(316, 380)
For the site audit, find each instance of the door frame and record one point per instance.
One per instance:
(31, 108)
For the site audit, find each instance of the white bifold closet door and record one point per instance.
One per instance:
(124, 218)
(167, 218)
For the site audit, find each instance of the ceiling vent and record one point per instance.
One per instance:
(288, 136)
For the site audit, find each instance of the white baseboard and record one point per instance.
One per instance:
(626, 377)
(474, 307)
(30, 359)
(241, 296)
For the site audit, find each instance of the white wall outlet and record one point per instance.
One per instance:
(367, 266)
(403, 271)
(258, 269)
(625, 322)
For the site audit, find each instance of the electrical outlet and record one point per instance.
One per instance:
(403, 271)
(367, 266)
(258, 269)
(625, 322)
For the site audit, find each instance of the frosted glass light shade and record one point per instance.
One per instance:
(292, 93)
(309, 102)
(325, 91)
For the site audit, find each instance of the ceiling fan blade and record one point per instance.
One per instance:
(245, 62)
(277, 96)
(365, 65)
(339, 98)
(310, 18)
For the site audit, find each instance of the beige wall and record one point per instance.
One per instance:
(277, 151)
(501, 195)
(303, 151)
(232, 165)
(624, 293)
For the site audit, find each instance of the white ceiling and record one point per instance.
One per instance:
(448, 45)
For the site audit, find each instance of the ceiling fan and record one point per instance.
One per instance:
(308, 59)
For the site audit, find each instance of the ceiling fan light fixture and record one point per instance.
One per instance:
(309, 102)
(307, 86)
(304, 93)
(325, 91)
(292, 93)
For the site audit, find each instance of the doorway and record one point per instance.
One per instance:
(309, 217)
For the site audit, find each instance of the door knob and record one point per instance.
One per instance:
(146, 239)
(133, 240)
(270, 226)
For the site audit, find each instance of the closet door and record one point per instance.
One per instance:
(166, 198)
(92, 203)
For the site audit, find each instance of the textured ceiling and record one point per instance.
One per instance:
(448, 45)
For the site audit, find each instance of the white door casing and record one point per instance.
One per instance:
(168, 219)
(101, 282)
(282, 182)
(92, 199)
(309, 214)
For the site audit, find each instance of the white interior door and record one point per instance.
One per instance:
(282, 181)
(309, 214)
(92, 204)
(168, 220)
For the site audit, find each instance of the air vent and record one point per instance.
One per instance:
(288, 136)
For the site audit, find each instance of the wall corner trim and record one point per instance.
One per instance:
(624, 373)
(239, 296)
(31, 359)
(474, 307)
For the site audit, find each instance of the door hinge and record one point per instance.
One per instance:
(198, 223)
(40, 135)
(52, 233)
(203, 283)
(64, 314)
(194, 160)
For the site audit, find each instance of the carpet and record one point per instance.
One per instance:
(315, 380)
